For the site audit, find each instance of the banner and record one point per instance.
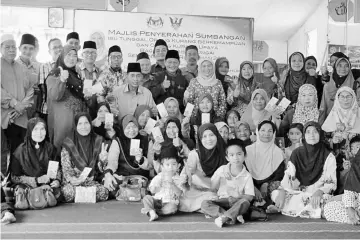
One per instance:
(353, 52)
(137, 32)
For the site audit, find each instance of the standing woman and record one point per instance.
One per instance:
(310, 177)
(296, 77)
(341, 77)
(310, 68)
(65, 95)
(200, 166)
(31, 159)
(222, 66)
(268, 80)
(206, 83)
(240, 97)
(82, 148)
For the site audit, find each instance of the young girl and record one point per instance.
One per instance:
(142, 115)
(295, 135)
(224, 130)
(232, 117)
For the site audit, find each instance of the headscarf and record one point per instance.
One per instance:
(263, 159)
(84, 150)
(196, 120)
(247, 86)
(101, 129)
(218, 75)
(350, 118)
(295, 79)
(305, 114)
(206, 81)
(309, 159)
(28, 160)
(169, 141)
(312, 58)
(74, 83)
(252, 116)
(339, 55)
(248, 141)
(167, 101)
(212, 159)
(266, 82)
(140, 110)
(219, 125)
(335, 76)
(353, 180)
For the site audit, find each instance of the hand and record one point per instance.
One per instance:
(55, 184)
(235, 81)
(108, 126)
(186, 95)
(353, 216)
(274, 78)
(312, 72)
(87, 93)
(258, 196)
(253, 138)
(14, 115)
(20, 107)
(160, 122)
(277, 113)
(43, 179)
(64, 74)
(157, 147)
(228, 79)
(324, 71)
(346, 164)
(154, 111)
(185, 121)
(96, 122)
(337, 138)
(75, 181)
(316, 198)
(166, 84)
(110, 182)
(280, 199)
(264, 189)
(227, 175)
(103, 154)
(236, 91)
(176, 141)
(138, 154)
(143, 132)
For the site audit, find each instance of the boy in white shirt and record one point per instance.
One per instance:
(234, 186)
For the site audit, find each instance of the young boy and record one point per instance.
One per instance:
(234, 186)
(166, 187)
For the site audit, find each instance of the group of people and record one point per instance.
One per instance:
(220, 159)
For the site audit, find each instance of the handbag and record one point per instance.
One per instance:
(132, 189)
(21, 201)
(34, 198)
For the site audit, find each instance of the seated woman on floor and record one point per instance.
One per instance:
(310, 177)
(31, 159)
(82, 149)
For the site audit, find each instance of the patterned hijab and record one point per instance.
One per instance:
(305, 114)
(246, 86)
(202, 79)
(349, 118)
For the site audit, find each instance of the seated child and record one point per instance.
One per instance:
(295, 135)
(234, 186)
(223, 129)
(166, 187)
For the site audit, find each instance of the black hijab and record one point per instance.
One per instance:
(74, 82)
(29, 160)
(312, 58)
(84, 150)
(211, 160)
(337, 79)
(169, 141)
(309, 159)
(101, 129)
(353, 180)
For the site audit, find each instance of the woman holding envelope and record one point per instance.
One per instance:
(30, 164)
(82, 150)
(142, 115)
(104, 124)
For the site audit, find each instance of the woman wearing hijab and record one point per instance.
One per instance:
(347, 210)
(172, 108)
(310, 68)
(333, 58)
(296, 77)
(231, 118)
(81, 149)
(31, 159)
(142, 114)
(223, 129)
(242, 132)
(306, 109)
(65, 96)
(269, 79)
(240, 97)
(200, 166)
(172, 137)
(265, 162)
(104, 129)
(222, 66)
(256, 113)
(310, 177)
(341, 77)
(206, 82)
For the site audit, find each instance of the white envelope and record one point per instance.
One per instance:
(188, 110)
(88, 84)
(109, 118)
(97, 88)
(52, 169)
(284, 103)
(205, 118)
(157, 134)
(134, 145)
(85, 194)
(150, 125)
(85, 173)
(162, 110)
(271, 104)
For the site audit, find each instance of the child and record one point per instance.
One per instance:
(223, 129)
(165, 187)
(295, 135)
(7, 211)
(234, 186)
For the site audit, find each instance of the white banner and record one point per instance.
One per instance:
(137, 32)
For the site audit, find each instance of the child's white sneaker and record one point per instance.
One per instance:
(240, 219)
(219, 221)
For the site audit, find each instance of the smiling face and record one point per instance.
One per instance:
(242, 132)
(346, 100)
(209, 139)
(55, 48)
(307, 98)
(224, 133)
(172, 108)
(312, 136)
(83, 127)
(26, 51)
(101, 113)
(295, 135)
(89, 55)
(246, 71)
(310, 64)
(297, 62)
(160, 52)
(71, 58)
(235, 155)
(8, 50)
(232, 119)
(192, 56)
(224, 68)
(131, 130)
(172, 130)
(134, 78)
(266, 133)
(39, 132)
(145, 65)
(205, 105)
(355, 147)
(259, 102)
(74, 42)
(169, 165)
(143, 118)
(268, 69)
(343, 68)
(116, 59)
(172, 65)
(207, 69)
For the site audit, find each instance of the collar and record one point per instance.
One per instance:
(186, 69)
(31, 65)
(82, 67)
(127, 89)
(241, 174)
(12, 62)
(159, 66)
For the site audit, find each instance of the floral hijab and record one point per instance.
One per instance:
(305, 114)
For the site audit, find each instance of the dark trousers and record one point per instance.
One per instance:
(223, 207)
(15, 135)
(5, 207)
(158, 206)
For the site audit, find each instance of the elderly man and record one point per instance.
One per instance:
(160, 50)
(145, 64)
(190, 71)
(16, 93)
(131, 94)
(55, 47)
(73, 40)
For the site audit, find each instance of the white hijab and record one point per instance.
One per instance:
(203, 80)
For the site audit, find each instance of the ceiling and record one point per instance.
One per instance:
(274, 19)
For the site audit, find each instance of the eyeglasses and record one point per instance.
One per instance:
(89, 53)
(348, 97)
(56, 48)
(116, 57)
